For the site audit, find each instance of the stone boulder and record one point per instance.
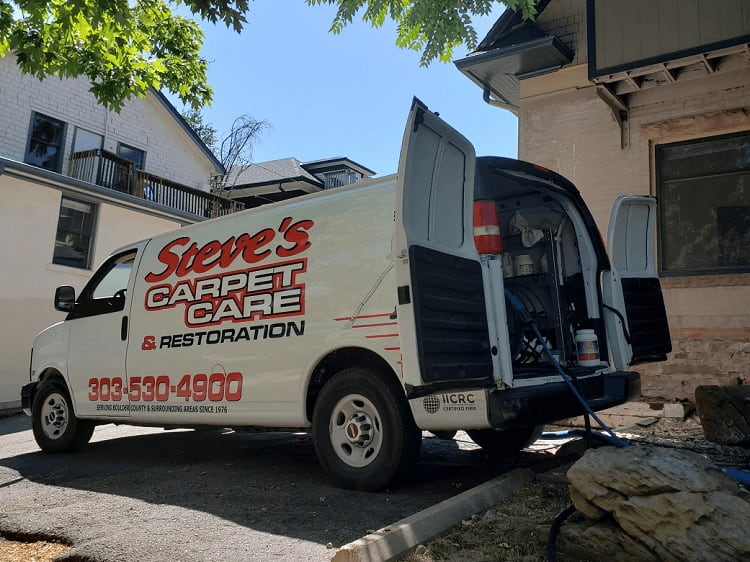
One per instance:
(725, 413)
(655, 504)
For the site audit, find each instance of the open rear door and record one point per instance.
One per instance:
(634, 311)
(441, 303)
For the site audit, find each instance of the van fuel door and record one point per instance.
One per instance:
(445, 340)
(634, 311)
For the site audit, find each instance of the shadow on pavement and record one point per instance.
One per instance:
(269, 482)
(14, 422)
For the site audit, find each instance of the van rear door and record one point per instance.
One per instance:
(634, 312)
(442, 315)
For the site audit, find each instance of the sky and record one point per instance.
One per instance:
(348, 95)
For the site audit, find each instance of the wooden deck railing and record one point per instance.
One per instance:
(108, 170)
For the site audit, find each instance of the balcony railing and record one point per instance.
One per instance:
(108, 170)
(338, 178)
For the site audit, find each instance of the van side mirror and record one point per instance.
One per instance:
(65, 298)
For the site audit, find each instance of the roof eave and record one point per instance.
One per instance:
(500, 70)
(189, 130)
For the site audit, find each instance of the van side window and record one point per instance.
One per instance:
(106, 291)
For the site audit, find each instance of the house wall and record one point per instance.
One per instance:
(564, 125)
(28, 278)
(143, 123)
(567, 20)
(635, 31)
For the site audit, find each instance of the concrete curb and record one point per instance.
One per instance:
(390, 542)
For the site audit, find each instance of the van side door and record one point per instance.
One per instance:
(441, 303)
(634, 312)
(98, 339)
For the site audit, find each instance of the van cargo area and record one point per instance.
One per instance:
(551, 252)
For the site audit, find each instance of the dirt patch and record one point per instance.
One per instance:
(517, 529)
(37, 551)
(514, 530)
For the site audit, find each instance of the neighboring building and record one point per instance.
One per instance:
(76, 182)
(647, 98)
(276, 180)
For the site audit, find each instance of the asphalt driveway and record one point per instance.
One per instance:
(140, 494)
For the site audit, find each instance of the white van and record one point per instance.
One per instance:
(365, 314)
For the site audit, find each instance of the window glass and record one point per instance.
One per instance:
(86, 140)
(115, 280)
(106, 291)
(133, 154)
(46, 142)
(704, 205)
(74, 230)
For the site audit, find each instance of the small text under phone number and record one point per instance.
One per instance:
(215, 387)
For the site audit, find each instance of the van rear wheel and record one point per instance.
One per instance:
(505, 442)
(363, 430)
(53, 421)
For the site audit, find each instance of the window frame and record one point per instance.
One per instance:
(89, 249)
(662, 227)
(59, 157)
(88, 305)
(137, 165)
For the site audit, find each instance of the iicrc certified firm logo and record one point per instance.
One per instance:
(431, 404)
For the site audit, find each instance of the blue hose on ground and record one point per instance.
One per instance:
(741, 476)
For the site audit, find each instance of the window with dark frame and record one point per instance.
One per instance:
(46, 142)
(138, 157)
(135, 155)
(703, 188)
(75, 227)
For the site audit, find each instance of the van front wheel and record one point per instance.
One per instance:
(363, 430)
(55, 426)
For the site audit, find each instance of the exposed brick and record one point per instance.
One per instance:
(574, 133)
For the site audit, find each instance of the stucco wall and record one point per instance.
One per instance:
(143, 123)
(572, 131)
(28, 223)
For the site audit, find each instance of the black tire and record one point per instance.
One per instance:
(363, 430)
(446, 434)
(53, 421)
(505, 442)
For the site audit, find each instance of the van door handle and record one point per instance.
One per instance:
(124, 328)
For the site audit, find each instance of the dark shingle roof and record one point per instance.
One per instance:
(273, 171)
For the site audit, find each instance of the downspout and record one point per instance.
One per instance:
(497, 103)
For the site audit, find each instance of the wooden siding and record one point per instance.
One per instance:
(629, 33)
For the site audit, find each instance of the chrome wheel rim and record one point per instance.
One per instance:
(55, 416)
(356, 431)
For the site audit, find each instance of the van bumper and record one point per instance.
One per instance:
(27, 397)
(547, 403)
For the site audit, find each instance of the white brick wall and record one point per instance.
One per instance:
(143, 123)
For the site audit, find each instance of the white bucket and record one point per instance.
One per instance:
(523, 264)
(587, 348)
